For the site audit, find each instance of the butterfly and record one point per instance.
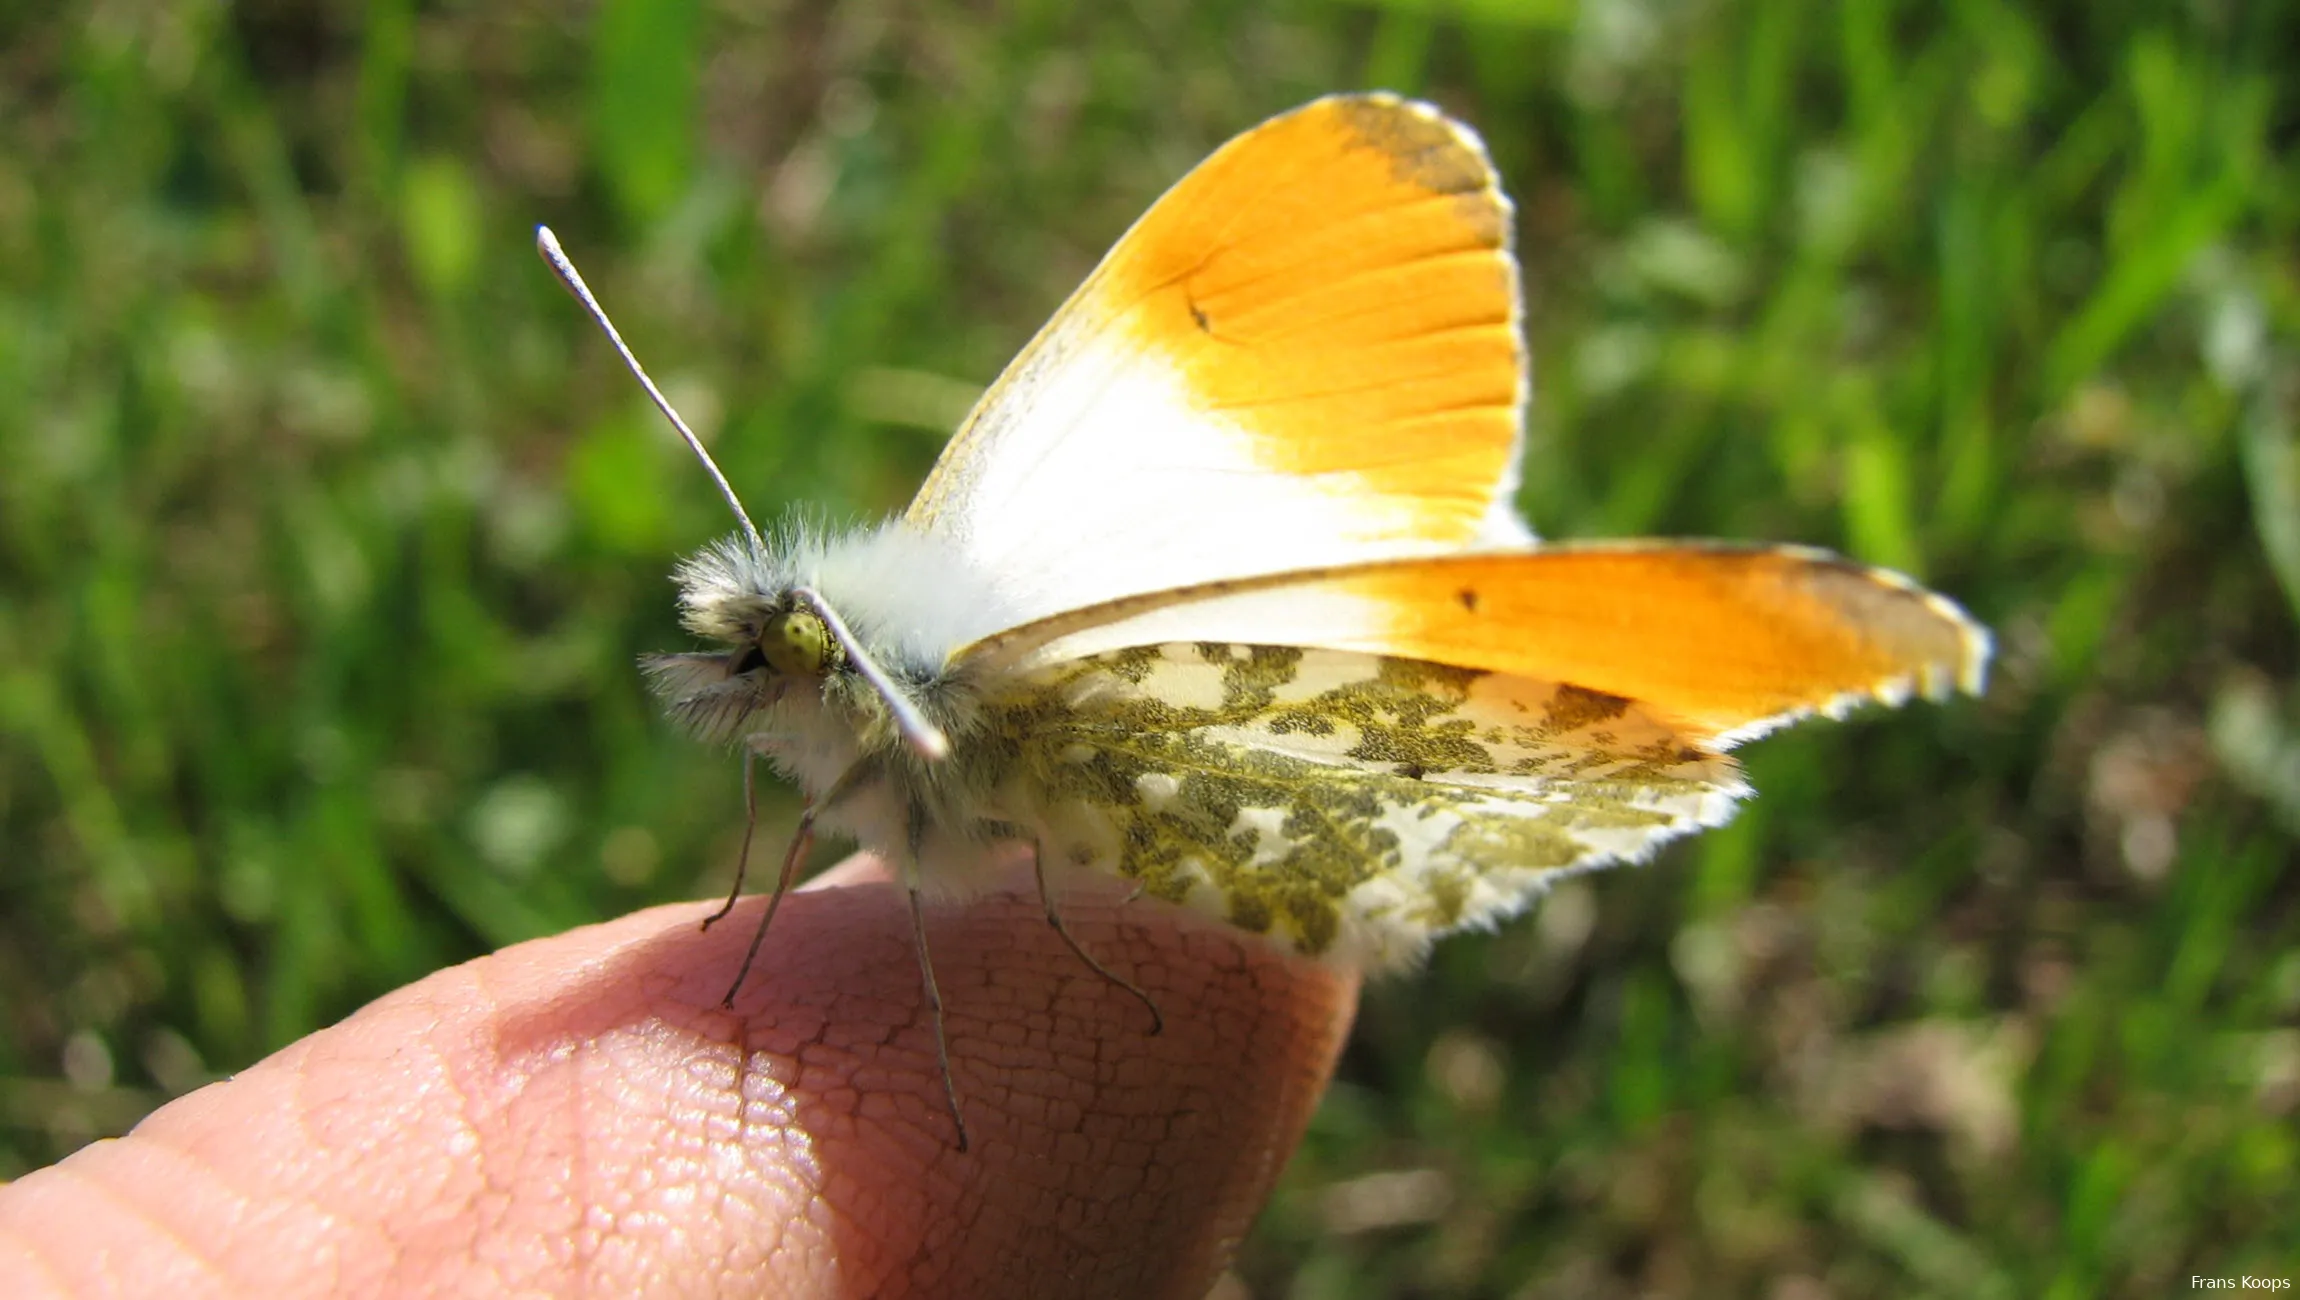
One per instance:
(1220, 589)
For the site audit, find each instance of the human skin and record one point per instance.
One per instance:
(577, 1115)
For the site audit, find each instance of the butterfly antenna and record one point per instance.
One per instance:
(547, 244)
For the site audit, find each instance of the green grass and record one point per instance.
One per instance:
(328, 534)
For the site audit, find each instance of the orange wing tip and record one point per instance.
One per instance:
(1935, 681)
(1972, 673)
(1938, 681)
(1965, 670)
(1380, 102)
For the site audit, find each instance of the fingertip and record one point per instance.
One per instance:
(794, 1140)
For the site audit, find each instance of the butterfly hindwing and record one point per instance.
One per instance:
(1348, 806)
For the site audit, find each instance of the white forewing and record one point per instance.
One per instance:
(1308, 353)
(1109, 481)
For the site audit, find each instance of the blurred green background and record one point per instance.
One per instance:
(329, 531)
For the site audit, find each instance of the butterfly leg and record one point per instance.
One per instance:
(933, 997)
(750, 824)
(1054, 918)
(802, 838)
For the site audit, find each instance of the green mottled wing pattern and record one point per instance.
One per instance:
(1347, 805)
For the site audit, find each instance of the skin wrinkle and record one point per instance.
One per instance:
(123, 1175)
(581, 1255)
(497, 1171)
(762, 1092)
(21, 1247)
(196, 1145)
(581, 1051)
(115, 1200)
(558, 1146)
(215, 1184)
(464, 1230)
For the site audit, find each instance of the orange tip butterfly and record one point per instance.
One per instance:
(1220, 589)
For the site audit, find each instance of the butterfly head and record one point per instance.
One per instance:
(780, 637)
(772, 644)
(760, 643)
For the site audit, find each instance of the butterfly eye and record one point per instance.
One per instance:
(796, 643)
